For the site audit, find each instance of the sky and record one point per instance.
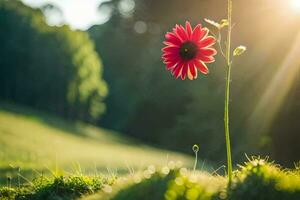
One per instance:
(79, 14)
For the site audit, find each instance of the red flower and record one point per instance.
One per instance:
(187, 50)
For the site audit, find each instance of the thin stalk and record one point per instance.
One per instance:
(227, 93)
(220, 45)
(195, 150)
(195, 163)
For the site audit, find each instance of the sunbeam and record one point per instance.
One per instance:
(275, 94)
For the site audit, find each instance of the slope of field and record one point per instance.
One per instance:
(33, 140)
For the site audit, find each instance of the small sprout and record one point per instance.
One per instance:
(213, 23)
(195, 148)
(239, 50)
(224, 23)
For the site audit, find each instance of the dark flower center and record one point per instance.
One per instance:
(188, 50)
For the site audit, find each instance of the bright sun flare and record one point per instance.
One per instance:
(295, 4)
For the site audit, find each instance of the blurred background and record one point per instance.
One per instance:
(99, 62)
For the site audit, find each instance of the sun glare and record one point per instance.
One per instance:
(295, 5)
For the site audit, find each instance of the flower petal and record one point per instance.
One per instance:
(184, 71)
(171, 59)
(207, 42)
(206, 59)
(183, 33)
(196, 33)
(171, 54)
(177, 70)
(180, 33)
(204, 33)
(192, 72)
(201, 66)
(171, 66)
(170, 44)
(170, 49)
(172, 38)
(208, 51)
(188, 29)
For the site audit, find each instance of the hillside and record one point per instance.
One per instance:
(33, 140)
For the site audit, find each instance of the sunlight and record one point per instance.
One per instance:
(77, 13)
(295, 5)
(278, 89)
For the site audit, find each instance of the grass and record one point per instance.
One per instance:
(256, 179)
(58, 187)
(31, 141)
(260, 180)
(44, 157)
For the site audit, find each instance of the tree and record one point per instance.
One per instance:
(49, 68)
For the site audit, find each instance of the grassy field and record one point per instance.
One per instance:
(36, 141)
(257, 179)
(45, 157)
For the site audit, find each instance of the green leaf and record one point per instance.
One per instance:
(239, 50)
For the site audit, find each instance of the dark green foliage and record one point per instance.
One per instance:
(59, 187)
(49, 68)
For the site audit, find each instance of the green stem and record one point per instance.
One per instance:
(227, 93)
(196, 160)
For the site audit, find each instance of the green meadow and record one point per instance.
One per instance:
(46, 143)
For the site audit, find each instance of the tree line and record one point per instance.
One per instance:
(49, 68)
